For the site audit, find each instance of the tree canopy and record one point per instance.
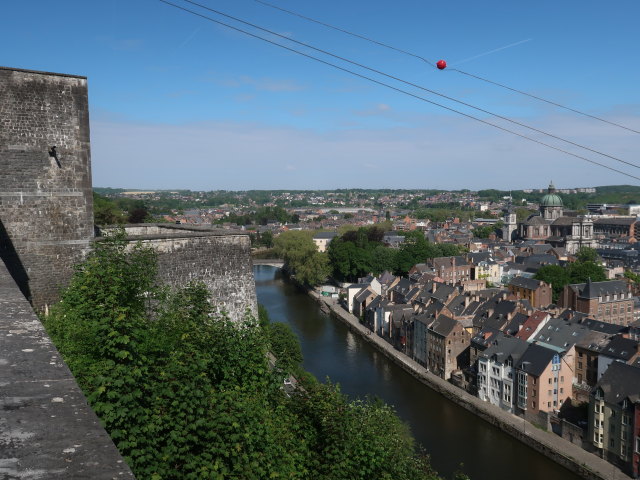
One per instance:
(301, 257)
(187, 394)
(578, 272)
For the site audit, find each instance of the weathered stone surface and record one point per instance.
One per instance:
(46, 210)
(47, 430)
(221, 259)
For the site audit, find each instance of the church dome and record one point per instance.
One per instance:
(551, 199)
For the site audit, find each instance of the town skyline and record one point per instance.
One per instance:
(180, 102)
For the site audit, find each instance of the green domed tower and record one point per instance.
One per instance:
(551, 206)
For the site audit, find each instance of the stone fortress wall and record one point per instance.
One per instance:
(46, 227)
(219, 258)
(46, 209)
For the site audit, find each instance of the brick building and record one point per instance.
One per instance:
(537, 292)
(447, 346)
(609, 301)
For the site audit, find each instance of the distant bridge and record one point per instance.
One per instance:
(271, 262)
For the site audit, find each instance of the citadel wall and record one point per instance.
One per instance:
(46, 204)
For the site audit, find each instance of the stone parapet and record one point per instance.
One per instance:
(47, 430)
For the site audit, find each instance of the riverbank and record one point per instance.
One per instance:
(555, 448)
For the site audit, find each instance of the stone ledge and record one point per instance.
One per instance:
(47, 430)
(39, 72)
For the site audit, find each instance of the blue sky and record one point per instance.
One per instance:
(179, 102)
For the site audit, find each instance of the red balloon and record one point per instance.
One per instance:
(441, 64)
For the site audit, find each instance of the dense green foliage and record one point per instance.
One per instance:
(583, 269)
(185, 394)
(360, 252)
(299, 252)
(122, 210)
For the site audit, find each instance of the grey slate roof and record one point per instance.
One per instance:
(621, 348)
(560, 334)
(503, 347)
(535, 359)
(598, 326)
(524, 282)
(564, 221)
(443, 325)
(614, 221)
(516, 322)
(364, 294)
(596, 289)
(619, 382)
(536, 220)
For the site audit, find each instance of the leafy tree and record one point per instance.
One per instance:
(556, 275)
(285, 346)
(483, 232)
(138, 215)
(187, 394)
(106, 212)
(580, 272)
(383, 259)
(314, 270)
(634, 277)
(299, 252)
(587, 254)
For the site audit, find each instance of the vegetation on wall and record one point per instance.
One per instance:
(187, 394)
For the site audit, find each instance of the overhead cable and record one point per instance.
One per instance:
(410, 83)
(378, 82)
(477, 77)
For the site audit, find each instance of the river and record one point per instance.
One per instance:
(450, 434)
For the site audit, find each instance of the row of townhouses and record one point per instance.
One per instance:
(513, 348)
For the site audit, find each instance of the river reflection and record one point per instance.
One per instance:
(449, 433)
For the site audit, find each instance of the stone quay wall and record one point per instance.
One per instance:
(46, 206)
(563, 452)
(221, 259)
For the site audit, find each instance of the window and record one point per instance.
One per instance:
(549, 381)
(549, 393)
(548, 404)
(625, 419)
(562, 378)
(612, 443)
(638, 444)
(561, 390)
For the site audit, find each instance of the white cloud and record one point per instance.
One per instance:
(441, 152)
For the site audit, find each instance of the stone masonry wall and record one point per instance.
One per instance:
(46, 210)
(219, 258)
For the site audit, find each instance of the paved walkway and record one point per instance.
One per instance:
(566, 453)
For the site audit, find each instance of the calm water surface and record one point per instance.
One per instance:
(449, 433)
